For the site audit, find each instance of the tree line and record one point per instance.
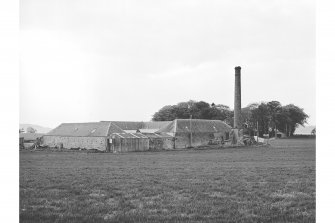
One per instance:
(264, 116)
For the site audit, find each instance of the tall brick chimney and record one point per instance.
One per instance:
(237, 100)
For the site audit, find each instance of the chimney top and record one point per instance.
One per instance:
(238, 68)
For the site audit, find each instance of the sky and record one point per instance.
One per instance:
(86, 60)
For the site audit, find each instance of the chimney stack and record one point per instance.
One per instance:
(237, 101)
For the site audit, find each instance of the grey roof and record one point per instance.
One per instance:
(85, 129)
(129, 135)
(126, 125)
(196, 125)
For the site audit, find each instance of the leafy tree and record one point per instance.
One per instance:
(284, 118)
(262, 115)
(296, 115)
(274, 108)
(31, 130)
(198, 110)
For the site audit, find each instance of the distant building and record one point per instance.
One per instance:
(304, 130)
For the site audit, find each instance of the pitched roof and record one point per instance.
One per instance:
(128, 125)
(129, 135)
(85, 129)
(125, 125)
(196, 125)
(156, 124)
(158, 135)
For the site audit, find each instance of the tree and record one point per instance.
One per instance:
(31, 130)
(297, 116)
(274, 108)
(198, 110)
(222, 112)
(262, 115)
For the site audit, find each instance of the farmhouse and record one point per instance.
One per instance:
(116, 136)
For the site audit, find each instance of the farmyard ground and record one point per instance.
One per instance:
(275, 184)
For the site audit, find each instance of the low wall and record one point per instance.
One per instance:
(69, 142)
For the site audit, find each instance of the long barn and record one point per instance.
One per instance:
(116, 136)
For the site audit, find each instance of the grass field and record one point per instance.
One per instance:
(275, 184)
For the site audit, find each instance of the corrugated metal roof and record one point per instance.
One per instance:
(129, 135)
(128, 125)
(125, 125)
(158, 135)
(85, 129)
(196, 125)
(148, 130)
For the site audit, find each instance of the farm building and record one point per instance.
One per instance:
(196, 132)
(116, 136)
(128, 142)
(93, 135)
(103, 136)
(160, 141)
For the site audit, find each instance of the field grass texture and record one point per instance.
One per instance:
(257, 184)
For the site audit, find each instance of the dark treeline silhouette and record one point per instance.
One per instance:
(265, 115)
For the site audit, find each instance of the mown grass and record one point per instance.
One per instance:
(275, 184)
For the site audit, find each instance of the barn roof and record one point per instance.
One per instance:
(158, 135)
(128, 125)
(156, 124)
(196, 125)
(125, 125)
(128, 135)
(85, 129)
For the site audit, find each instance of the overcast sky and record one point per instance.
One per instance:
(83, 61)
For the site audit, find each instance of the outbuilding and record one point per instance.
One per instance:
(197, 132)
(91, 135)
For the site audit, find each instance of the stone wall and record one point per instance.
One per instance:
(198, 139)
(161, 143)
(99, 143)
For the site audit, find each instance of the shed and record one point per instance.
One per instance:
(160, 141)
(128, 142)
(197, 132)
